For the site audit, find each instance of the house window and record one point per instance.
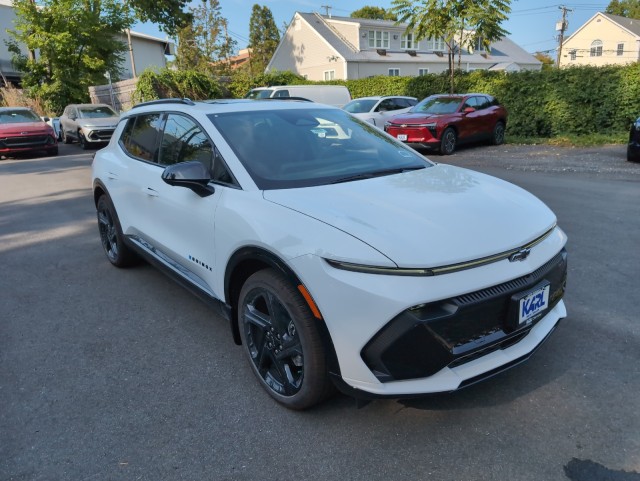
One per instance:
(329, 74)
(394, 72)
(572, 54)
(436, 44)
(596, 48)
(620, 50)
(378, 39)
(423, 71)
(408, 42)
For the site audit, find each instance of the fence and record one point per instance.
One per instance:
(116, 94)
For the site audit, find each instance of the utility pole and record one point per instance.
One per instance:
(327, 9)
(561, 27)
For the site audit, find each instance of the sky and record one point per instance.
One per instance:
(531, 23)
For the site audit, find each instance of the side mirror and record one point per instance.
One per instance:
(468, 110)
(45, 119)
(192, 175)
(72, 117)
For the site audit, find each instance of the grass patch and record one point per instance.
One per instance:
(592, 140)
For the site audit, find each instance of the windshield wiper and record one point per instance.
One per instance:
(377, 173)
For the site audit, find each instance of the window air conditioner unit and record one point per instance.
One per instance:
(381, 51)
(413, 53)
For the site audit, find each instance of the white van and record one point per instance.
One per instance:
(336, 95)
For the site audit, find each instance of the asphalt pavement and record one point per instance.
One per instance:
(120, 374)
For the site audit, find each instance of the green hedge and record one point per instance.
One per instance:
(549, 103)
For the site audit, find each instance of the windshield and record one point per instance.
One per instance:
(360, 106)
(291, 148)
(438, 105)
(96, 112)
(18, 116)
(259, 94)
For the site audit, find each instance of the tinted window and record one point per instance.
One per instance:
(140, 136)
(305, 147)
(281, 93)
(360, 106)
(182, 141)
(438, 105)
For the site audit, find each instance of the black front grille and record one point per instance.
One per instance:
(421, 341)
(24, 141)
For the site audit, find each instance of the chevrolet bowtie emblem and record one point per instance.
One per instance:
(521, 255)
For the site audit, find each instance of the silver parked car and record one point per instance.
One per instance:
(376, 110)
(88, 124)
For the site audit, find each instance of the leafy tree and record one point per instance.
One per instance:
(547, 61)
(460, 23)
(264, 38)
(203, 43)
(77, 43)
(624, 8)
(170, 15)
(374, 13)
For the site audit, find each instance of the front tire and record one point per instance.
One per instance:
(282, 341)
(111, 235)
(82, 141)
(448, 141)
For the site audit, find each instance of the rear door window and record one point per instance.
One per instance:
(140, 136)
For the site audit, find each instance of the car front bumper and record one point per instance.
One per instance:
(27, 143)
(97, 135)
(377, 356)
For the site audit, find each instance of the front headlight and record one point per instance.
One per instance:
(389, 271)
(431, 125)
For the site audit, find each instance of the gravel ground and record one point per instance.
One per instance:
(608, 161)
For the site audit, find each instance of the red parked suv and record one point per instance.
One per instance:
(22, 131)
(443, 121)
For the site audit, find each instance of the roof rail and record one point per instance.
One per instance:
(184, 101)
(286, 98)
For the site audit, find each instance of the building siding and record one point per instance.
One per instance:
(610, 34)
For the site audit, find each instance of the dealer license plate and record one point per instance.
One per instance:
(402, 137)
(532, 304)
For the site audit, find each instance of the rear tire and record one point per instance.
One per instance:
(111, 235)
(497, 138)
(448, 141)
(282, 341)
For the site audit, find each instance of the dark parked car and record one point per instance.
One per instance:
(633, 149)
(444, 121)
(22, 131)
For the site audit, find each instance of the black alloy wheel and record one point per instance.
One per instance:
(448, 141)
(282, 341)
(82, 141)
(498, 133)
(111, 236)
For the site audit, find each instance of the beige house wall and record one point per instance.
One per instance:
(610, 34)
(349, 31)
(310, 56)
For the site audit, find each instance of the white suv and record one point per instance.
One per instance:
(340, 256)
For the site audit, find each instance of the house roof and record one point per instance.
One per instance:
(631, 24)
(502, 51)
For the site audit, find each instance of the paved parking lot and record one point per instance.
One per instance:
(109, 374)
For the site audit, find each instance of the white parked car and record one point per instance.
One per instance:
(88, 124)
(377, 110)
(340, 256)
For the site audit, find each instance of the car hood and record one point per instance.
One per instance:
(415, 118)
(427, 218)
(30, 127)
(99, 122)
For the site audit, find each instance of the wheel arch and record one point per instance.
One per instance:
(249, 260)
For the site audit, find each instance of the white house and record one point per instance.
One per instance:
(321, 47)
(148, 51)
(604, 39)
